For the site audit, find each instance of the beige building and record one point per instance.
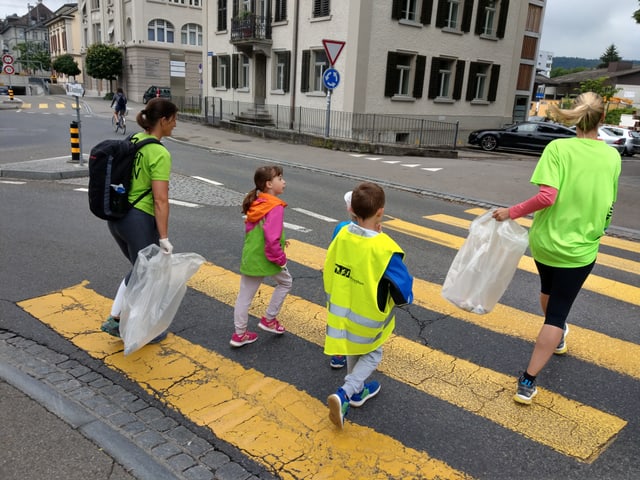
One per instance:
(161, 41)
(471, 61)
(64, 39)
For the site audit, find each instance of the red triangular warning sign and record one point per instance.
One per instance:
(333, 49)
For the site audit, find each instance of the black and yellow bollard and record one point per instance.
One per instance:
(11, 94)
(75, 142)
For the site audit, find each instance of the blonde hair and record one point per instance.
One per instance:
(586, 113)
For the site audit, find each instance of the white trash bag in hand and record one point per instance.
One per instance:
(155, 290)
(485, 264)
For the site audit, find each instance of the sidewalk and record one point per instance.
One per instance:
(63, 420)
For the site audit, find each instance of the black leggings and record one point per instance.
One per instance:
(134, 232)
(562, 285)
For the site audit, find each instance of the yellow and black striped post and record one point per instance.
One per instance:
(75, 142)
(11, 94)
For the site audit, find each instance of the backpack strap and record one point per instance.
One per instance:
(138, 146)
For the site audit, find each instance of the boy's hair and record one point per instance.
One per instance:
(366, 199)
(260, 179)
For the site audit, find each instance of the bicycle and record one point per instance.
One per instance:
(121, 123)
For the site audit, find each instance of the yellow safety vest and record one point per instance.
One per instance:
(352, 271)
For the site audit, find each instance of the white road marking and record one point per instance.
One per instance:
(213, 182)
(184, 204)
(297, 228)
(432, 169)
(81, 189)
(315, 215)
(391, 161)
(411, 165)
(10, 182)
(357, 155)
(374, 158)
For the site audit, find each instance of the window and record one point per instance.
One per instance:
(191, 34)
(95, 4)
(454, 15)
(491, 18)
(321, 8)
(282, 65)
(240, 71)
(221, 74)
(405, 75)
(482, 85)
(314, 63)
(280, 13)
(160, 31)
(445, 82)
(222, 15)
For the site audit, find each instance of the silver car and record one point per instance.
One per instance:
(631, 138)
(613, 140)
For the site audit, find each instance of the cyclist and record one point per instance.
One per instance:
(119, 104)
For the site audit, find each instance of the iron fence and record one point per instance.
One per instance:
(360, 127)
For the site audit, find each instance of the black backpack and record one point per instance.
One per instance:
(110, 166)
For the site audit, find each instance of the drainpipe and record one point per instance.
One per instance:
(294, 65)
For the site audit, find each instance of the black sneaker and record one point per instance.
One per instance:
(526, 391)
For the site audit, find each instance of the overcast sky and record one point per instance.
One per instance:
(572, 28)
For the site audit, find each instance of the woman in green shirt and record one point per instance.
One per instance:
(578, 180)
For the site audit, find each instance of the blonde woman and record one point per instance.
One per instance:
(578, 180)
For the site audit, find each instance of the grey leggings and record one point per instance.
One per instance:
(134, 232)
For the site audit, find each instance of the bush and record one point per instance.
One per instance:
(108, 96)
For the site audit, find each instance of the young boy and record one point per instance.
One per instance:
(364, 278)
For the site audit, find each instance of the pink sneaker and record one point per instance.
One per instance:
(244, 339)
(272, 326)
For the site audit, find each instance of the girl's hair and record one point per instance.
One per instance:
(586, 113)
(119, 90)
(366, 199)
(260, 179)
(156, 109)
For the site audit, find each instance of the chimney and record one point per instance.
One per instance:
(618, 66)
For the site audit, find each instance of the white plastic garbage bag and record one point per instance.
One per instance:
(155, 290)
(485, 264)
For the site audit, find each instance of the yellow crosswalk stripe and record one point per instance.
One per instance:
(273, 422)
(614, 242)
(604, 259)
(594, 283)
(43, 105)
(612, 353)
(60, 105)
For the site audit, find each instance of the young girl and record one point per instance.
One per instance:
(262, 254)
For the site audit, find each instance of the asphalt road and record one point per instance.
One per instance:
(51, 242)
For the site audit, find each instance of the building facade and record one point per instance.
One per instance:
(64, 39)
(161, 41)
(471, 61)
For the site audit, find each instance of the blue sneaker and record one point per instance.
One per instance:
(370, 390)
(338, 407)
(526, 391)
(338, 361)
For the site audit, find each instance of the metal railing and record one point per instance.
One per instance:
(360, 127)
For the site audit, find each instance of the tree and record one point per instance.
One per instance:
(66, 65)
(597, 85)
(636, 16)
(610, 55)
(104, 62)
(33, 56)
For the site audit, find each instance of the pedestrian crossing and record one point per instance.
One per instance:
(286, 429)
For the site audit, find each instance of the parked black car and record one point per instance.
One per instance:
(154, 91)
(526, 136)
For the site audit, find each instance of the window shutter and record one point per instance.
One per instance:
(287, 71)
(391, 82)
(502, 20)
(214, 71)
(480, 17)
(396, 9)
(236, 7)
(227, 80)
(471, 81)
(441, 15)
(421, 62)
(434, 78)
(425, 12)
(467, 12)
(457, 84)
(235, 59)
(304, 75)
(493, 84)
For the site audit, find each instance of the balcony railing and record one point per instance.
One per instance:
(250, 27)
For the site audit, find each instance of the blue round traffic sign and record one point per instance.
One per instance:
(331, 78)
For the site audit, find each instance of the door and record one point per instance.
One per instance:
(260, 79)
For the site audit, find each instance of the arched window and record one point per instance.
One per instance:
(191, 34)
(160, 31)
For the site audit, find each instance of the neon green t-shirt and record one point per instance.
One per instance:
(585, 172)
(153, 162)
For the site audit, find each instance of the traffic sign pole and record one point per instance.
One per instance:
(328, 116)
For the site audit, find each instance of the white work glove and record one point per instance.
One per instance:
(166, 246)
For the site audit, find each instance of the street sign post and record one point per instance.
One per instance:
(333, 48)
(331, 77)
(77, 90)
(8, 68)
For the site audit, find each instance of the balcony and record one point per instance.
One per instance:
(250, 30)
